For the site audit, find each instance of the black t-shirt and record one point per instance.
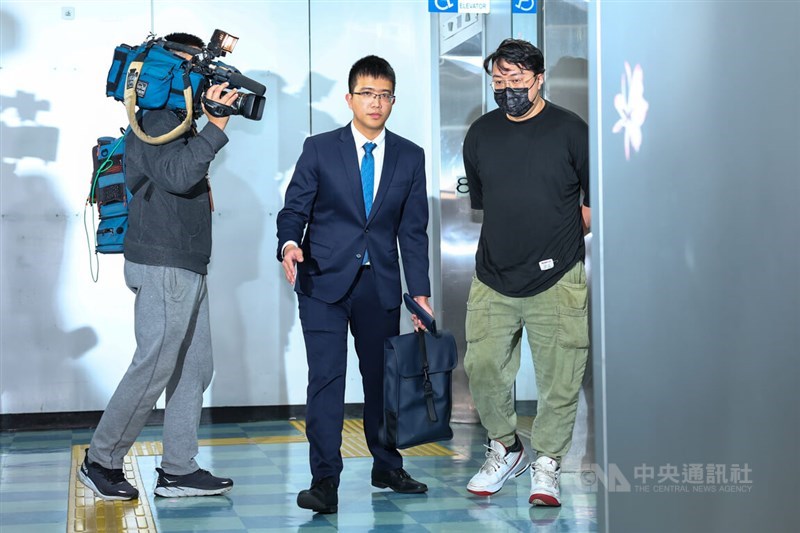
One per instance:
(527, 178)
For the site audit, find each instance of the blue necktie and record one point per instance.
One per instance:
(368, 182)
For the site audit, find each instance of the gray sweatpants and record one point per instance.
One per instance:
(173, 352)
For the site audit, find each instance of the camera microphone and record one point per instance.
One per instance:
(238, 80)
(222, 72)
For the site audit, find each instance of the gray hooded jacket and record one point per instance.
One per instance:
(169, 221)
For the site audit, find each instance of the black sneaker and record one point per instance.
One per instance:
(106, 483)
(198, 483)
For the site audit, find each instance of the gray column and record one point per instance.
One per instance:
(696, 298)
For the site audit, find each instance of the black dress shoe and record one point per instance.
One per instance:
(322, 497)
(398, 480)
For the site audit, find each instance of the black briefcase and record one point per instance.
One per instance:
(417, 384)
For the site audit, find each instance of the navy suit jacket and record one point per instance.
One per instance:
(324, 212)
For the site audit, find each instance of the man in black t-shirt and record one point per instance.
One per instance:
(527, 166)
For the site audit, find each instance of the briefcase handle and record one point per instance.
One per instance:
(426, 384)
(415, 309)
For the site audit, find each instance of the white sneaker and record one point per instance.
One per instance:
(500, 465)
(545, 473)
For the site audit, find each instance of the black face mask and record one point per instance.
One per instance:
(514, 102)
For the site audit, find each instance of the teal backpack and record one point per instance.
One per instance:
(109, 192)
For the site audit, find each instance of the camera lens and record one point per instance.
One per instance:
(250, 106)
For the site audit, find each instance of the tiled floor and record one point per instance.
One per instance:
(269, 464)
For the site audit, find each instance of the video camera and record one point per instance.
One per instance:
(248, 105)
(153, 76)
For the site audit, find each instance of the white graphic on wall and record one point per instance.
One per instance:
(632, 108)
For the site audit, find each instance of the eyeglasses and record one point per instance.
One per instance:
(499, 86)
(384, 98)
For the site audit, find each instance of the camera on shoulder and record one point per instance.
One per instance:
(249, 105)
(156, 75)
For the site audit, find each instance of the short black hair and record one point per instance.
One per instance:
(372, 66)
(186, 38)
(517, 52)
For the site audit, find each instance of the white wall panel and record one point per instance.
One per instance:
(62, 335)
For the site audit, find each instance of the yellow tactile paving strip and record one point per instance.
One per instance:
(354, 445)
(154, 447)
(89, 514)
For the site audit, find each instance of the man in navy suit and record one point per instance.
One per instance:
(356, 194)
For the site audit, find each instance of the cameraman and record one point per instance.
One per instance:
(167, 250)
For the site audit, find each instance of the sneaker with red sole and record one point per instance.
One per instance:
(499, 466)
(545, 474)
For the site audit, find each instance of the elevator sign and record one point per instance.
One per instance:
(458, 6)
(523, 6)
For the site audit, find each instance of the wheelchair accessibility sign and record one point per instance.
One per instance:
(459, 6)
(442, 6)
(523, 6)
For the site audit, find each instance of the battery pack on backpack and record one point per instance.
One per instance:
(110, 194)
